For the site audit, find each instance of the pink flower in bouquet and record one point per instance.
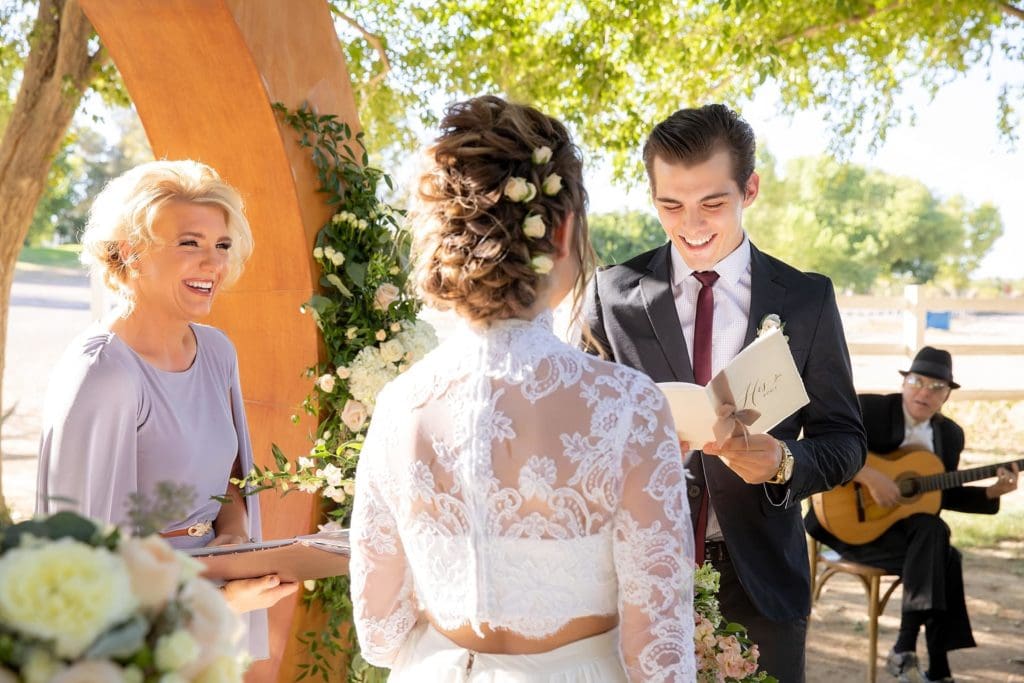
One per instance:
(213, 625)
(90, 671)
(154, 569)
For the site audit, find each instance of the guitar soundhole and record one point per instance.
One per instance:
(909, 488)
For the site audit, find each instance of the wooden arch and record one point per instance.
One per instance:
(203, 75)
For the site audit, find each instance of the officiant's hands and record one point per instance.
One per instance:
(755, 458)
(246, 595)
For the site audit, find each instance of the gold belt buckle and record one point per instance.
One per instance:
(200, 529)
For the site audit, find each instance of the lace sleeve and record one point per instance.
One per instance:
(383, 601)
(653, 550)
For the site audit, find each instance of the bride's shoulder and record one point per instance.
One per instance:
(628, 381)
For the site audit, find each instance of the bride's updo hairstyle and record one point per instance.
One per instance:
(499, 179)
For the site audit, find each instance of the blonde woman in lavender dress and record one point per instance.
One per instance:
(520, 509)
(146, 395)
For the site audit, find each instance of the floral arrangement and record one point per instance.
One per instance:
(81, 604)
(367, 319)
(724, 653)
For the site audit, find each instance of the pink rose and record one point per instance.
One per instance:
(90, 671)
(214, 626)
(384, 295)
(154, 569)
(354, 415)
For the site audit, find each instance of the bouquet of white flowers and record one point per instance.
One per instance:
(82, 604)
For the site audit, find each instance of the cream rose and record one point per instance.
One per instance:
(175, 651)
(213, 625)
(154, 568)
(541, 155)
(326, 383)
(392, 351)
(542, 264)
(338, 258)
(354, 415)
(552, 184)
(520, 190)
(534, 226)
(65, 591)
(384, 296)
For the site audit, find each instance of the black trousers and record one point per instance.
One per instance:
(782, 644)
(918, 548)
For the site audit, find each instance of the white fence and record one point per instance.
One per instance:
(1005, 352)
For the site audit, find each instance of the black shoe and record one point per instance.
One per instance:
(904, 666)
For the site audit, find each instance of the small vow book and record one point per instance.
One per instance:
(759, 389)
(315, 556)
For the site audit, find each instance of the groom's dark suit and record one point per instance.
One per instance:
(631, 312)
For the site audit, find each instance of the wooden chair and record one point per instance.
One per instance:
(826, 563)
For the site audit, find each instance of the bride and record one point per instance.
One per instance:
(520, 510)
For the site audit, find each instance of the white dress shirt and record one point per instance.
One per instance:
(732, 311)
(919, 434)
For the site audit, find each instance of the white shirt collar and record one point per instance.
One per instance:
(730, 269)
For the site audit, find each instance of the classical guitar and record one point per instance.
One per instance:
(850, 514)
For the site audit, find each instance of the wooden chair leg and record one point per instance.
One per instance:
(873, 605)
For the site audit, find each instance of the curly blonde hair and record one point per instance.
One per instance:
(123, 213)
(471, 252)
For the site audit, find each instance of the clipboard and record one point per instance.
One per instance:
(316, 556)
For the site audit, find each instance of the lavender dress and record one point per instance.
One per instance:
(114, 425)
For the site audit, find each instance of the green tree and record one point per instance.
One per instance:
(611, 67)
(862, 226)
(621, 235)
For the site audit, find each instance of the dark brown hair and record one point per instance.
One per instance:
(691, 136)
(470, 249)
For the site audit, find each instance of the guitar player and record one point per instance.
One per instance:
(918, 547)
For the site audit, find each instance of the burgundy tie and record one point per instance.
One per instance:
(702, 328)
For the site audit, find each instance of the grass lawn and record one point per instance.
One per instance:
(64, 256)
(972, 531)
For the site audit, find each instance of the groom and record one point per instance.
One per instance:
(681, 313)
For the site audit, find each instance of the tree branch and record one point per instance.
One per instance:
(1013, 11)
(814, 31)
(375, 42)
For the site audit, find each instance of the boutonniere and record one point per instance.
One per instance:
(769, 324)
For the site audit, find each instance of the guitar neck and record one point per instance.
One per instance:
(949, 480)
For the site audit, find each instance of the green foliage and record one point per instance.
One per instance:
(64, 256)
(612, 67)
(860, 226)
(619, 236)
(360, 251)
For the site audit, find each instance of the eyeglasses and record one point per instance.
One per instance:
(919, 382)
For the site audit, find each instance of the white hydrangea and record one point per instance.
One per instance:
(418, 339)
(370, 372)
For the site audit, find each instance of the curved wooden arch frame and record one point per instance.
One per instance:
(203, 75)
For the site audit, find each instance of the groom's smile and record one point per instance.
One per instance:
(701, 207)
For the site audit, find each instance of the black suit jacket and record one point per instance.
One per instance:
(631, 312)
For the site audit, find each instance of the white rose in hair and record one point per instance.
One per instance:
(520, 190)
(542, 264)
(552, 184)
(384, 296)
(354, 415)
(534, 226)
(542, 155)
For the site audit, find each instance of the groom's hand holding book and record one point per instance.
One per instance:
(731, 415)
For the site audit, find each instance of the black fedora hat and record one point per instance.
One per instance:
(934, 363)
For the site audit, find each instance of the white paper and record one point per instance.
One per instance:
(762, 377)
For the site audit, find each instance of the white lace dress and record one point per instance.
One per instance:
(510, 480)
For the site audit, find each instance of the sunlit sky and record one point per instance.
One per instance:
(953, 148)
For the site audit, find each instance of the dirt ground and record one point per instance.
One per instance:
(994, 579)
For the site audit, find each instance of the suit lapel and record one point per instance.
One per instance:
(660, 305)
(767, 295)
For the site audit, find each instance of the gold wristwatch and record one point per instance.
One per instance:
(785, 471)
